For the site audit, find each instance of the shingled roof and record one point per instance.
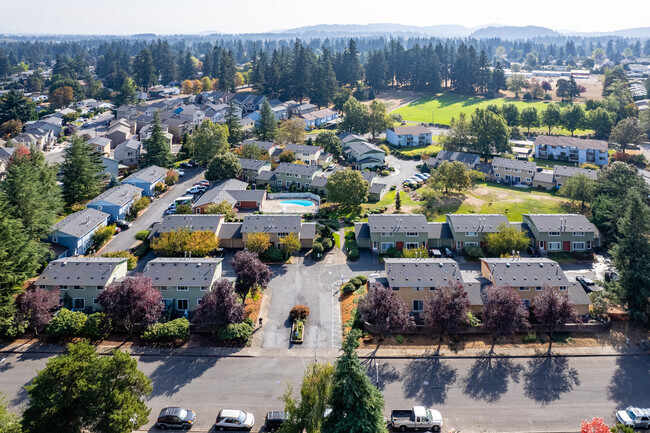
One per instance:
(272, 224)
(561, 223)
(172, 271)
(526, 272)
(79, 271)
(481, 223)
(397, 223)
(422, 272)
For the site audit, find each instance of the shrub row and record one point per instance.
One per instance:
(68, 324)
(169, 332)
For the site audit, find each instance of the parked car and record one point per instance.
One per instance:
(170, 211)
(416, 418)
(436, 254)
(122, 224)
(587, 283)
(203, 182)
(447, 253)
(180, 172)
(533, 251)
(196, 189)
(420, 176)
(634, 417)
(273, 420)
(229, 419)
(176, 418)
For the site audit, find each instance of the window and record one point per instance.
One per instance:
(182, 304)
(412, 234)
(554, 233)
(64, 287)
(527, 179)
(386, 245)
(100, 287)
(412, 245)
(182, 289)
(79, 303)
(387, 234)
(418, 305)
(579, 246)
(516, 170)
(471, 234)
(79, 288)
(395, 289)
(526, 303)
(578, 233)
(554, 246)
(538, 289)
(163, 288)
(506, 168)
(167, 303)
(562, 288)
(281, 235)
(417, 289)
(198, 301)
(497, 175)
(524, 289)
(203, 288)
(471, 244)
(95, 301)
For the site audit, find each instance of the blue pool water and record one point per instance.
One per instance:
(298, 202)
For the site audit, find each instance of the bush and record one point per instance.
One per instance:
(384, 173)
(472, 320)
(142, 235)
(171, 177)
(362, 278)
(141, 250)
(356, 282)
(159, 187)
(272, 254)
(67, 324)
(299, 312)
(348, 288)
(138, 206)
(101, 236)
(548, 97)
(530, 337)
(132, 261)
(236, 331)
(393, 252)
(385, 148)
(528, 97)
(170, 332)
(473, 251)
(349, 236)
(353, 254)
(98, 326)
(328, 244)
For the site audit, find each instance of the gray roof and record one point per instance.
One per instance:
(119, 195)
(413, 130)
(439, 231)
(579, 143)
(230, 231)
(318, 182)
(577, 294)
(79, 271)
(151, 174)
(308, 231)
(219, 192)
(397, 223)
(299, 169)
(194, 222)
(303, 148)
(544, 176)
(377, 188)
(101, 141)
(561, 223)
(272, 224)
(264, 145)
(526, 272)
(252, 164)
(514, 163)
(347, 137)
(6, 152)
(363, 147)
(171, 271)
(368, 175)
(482, 223)
(564, 170)
(80, 223)
(265, 175)
(422, 272)
(131, 143)
(448, 155)
(361, 231)
(248, 194)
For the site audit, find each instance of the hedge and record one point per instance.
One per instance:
(353, 254)
(356, 282)
(67, 324)
(98, 326)
(142, 235)
(169, 332)
(132, 261)
(348, 288)
(362, 278)
(236, 331)
(299, 312)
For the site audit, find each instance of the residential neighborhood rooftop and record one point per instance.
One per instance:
(514, 163)
(119, 195)
(580, 143)
(411, 130)
(80, 223)
(296, 169)
(422, 272)
(397, 223)
(526, 272)
(150, 174)
(79, 271)
(561, 223)
(170, 271)
(484, 223)
(272, 224)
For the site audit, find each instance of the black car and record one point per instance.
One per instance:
(587, 283)
(175, 418)
(447, 253)
(274, 420)
(122, 225)
(533, 251)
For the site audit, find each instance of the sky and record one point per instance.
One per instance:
(254, 16)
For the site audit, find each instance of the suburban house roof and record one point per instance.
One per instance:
(299, 169)
(482, 223)
(361, 231)
(580, 143)
(451, 156)
(194, 222)
(264, 145)
(172, 271)
(150, 174)
(230, 231)
(303, 148)
(252, 164)
(79, 271)
(220, 191)
(347, 137)
(439, 231)
(564, 170)
(514, 163)
(6, 152)
(247, 194)
(376, 188)
(272, 224)
(363, 147)
(526, 272)
(308, 231)
(422, 272)
(101, 141)
(397, 223)
(543, 176)
(410, 130)
(266, 175)
(80, 223)
(119, 195)
(131, 143)
(318, 114)
(561, 223)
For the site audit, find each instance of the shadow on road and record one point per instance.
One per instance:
(428, 379)
(489, 377)
(382, 374)
(627, 386)
(548, 377)
(175, 372)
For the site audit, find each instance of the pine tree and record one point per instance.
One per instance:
(352, 68)
(144, 70)
(267, 128)
(157, 146)
(80, 172)
(398, 201)
(324, 85)
(127, 93)
(235, 133)
(227, 70)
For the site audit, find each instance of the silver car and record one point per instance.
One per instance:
(229, 419)
(634, 417)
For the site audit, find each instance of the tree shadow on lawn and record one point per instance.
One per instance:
(548, 377)
(428, 379)
(489, 377)
(174, 372)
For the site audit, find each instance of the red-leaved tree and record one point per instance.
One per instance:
(37, 307)
(503, 312)
(553, 309)
(446, 309)
(132, 301)
(219, 307)
(251, 273)
(384, 310)
(596, 425)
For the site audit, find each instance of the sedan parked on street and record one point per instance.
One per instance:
(230, 419)
(175, 418)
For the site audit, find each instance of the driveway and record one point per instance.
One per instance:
(154, 213)
(403, 169)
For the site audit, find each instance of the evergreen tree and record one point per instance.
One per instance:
(127, 93)
(157, 146)
(498, 81)
(13, 105)
(80, 172)
(227, 70)
(377, 70)
(398, 201)
(188, 71)
(144, 70)
(351, 65)
(301, 71)
(357, 405)
(235, 133)
(325, 85)
(267, 128)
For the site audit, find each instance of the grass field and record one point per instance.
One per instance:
(431, 149)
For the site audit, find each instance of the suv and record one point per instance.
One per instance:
(175, 417)
(586, 283)
(634, 417)
(229, 419)
(274, 420)
(447, 253)
(122, 224)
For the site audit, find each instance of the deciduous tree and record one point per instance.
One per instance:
(596, 425)
(37, 307)
(490, 133)
(219, 307)
(529, 118)
(347, 188)
(183, 241)
(209, 140)
(579, 188)
(507, 238)
(445, 309)
(451, 175)
(307, 415)
(503, 312)
(251, 273)
(459, 137)
(329, 142)
(258, 242)
(289, 244)
(628, 131)
(553, 310)
(385, 311)
(223, 166)
(292, 131)
(355, 117)
(377, 119)
(61, 97)
(223, 208)
(552, 116)
(573, 118)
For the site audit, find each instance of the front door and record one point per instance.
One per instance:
(400, 246)
(566, 246)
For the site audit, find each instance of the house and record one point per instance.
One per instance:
(82, 279)
(267, 147)
(528, 276)
(562, 172)
(543, 179)
(191, 222)
(397, 231)
(128, 152)
(147, 178)
(190, 113)
(280, 111)
(116, 201)
(101, 145)
(248, 102)
(296, 109)
(232, 191)
(364, 154)
(230, 236)
(216, 112)
(402, 136)
(572, 149)
(142, 121)
(314, 119)
(119, 132)
(126, 111)
(513, 171)
(469, 160)
(177, 127)
(250, 121)
(40, 139)
(111, 167)
(287, 174)
(304, 153)
(183, 281)
(75, 231)
(377, 191)
(562, 232)
(279, 226)
(470, 229)
(41, 127)
(146, 131)
(251, 168)
(440, 235)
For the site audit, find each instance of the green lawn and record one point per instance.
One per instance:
(431, 149)
(337, 239)
(549, 163)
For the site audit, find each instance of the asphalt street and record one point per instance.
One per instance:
(484, 394)
(404, 168)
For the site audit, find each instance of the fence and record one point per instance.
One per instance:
(284, 195)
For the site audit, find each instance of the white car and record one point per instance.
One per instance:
(196, 189)
(229, 419)
(420, 176)
(634, 417)
(181, 173)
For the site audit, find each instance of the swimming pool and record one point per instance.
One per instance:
(297, 202)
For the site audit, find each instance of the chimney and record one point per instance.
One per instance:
(190, 255)
(184, 254)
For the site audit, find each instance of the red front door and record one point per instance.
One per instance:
(566, 246)
(400, 246)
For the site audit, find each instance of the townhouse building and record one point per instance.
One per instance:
(74, 232)
(407, 136)
(513, 171)
(116, 201)
(572, 149)
(563, 232)
(470, 229)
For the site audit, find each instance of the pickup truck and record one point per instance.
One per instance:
(418, 418)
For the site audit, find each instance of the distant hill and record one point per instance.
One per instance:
(378, 28)
(512, 32)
